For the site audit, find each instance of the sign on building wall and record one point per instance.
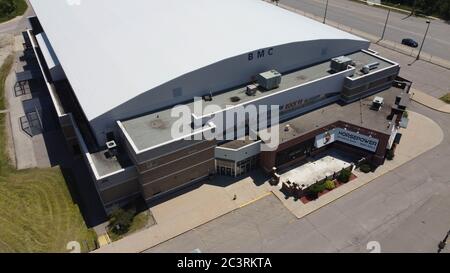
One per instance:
(348, 137)
(325, 139)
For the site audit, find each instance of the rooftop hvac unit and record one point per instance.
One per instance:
(251, 90)
(377, 103)
(340, 63)
(269, 80)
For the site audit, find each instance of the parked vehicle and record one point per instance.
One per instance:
(410, 42)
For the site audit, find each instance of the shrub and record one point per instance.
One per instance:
(312, 195)
(344, 176)
(390, 155)
(405, 114)
(329, 185)
(365, 168)
(317, 188)
(121, 220)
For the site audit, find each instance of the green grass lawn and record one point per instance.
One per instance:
(20, 6)
(140, 221)
(446, 98)
(37, 213)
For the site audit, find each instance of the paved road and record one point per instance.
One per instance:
(371, 20)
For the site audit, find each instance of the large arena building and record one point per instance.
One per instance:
(114, 71)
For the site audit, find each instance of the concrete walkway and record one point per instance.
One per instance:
(4, 111)
(422, 135)
(430, 101)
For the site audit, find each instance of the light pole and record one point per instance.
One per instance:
(424, 37)
(385, 24)
(443, 243)
(325, 16)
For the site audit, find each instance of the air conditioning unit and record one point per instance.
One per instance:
(340, 63)
(269, 80)
(377, 103)
(111, 144)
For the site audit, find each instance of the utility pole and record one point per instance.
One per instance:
(326, 10)
(385, 24)
(443, 243)
(413, 10)
(424, 37)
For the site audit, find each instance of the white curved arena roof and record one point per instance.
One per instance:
(114, 50)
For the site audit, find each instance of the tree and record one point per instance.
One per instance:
(439, 8)
(7, 7)
(344, 176)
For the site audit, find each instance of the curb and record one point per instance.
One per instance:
(432, 108)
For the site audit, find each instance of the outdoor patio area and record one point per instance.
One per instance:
(310, 173)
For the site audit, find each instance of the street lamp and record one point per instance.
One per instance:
(424, 37)
(443, 243)
(385, 24)
(326, 10)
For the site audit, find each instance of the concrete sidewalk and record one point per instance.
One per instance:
(430, 101)
(193, 207)
(422, 135)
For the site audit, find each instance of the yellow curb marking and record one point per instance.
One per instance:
(104, 240)
(256, 199)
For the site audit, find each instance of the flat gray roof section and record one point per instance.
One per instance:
(297, 78)
(356, 113)
(154, 129)
(237, 144)
(105, 166)
(361, 60)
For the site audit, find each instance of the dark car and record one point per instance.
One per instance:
(410, 42)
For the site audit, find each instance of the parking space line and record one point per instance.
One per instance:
(256, 199)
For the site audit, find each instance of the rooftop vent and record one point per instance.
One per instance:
(207, 98)
(235, 99)
(366, 69)
(157, 124)
(251, 89)
(112, 149)
(377, 103)
(287, 128)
